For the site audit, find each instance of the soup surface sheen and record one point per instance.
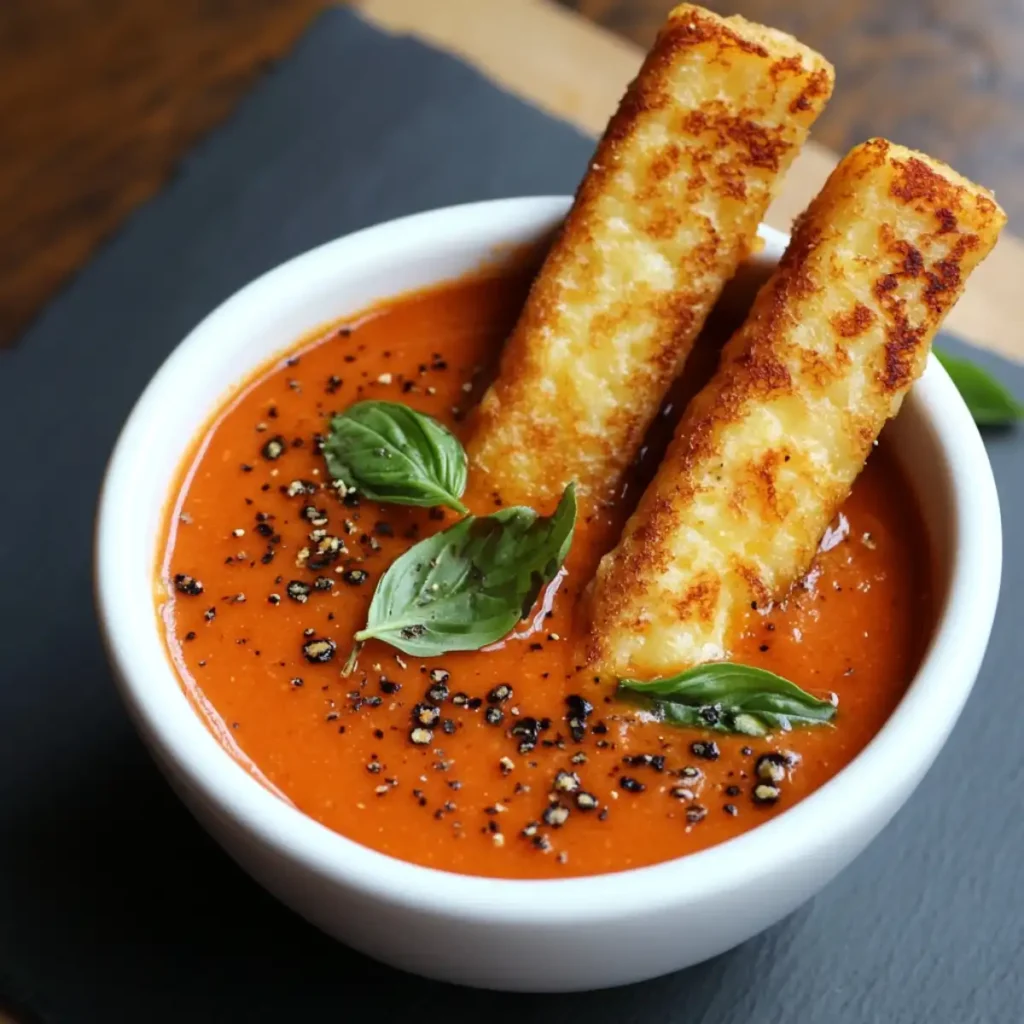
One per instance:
(339, 747)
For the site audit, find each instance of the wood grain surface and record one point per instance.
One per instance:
(556, 59)
(100, 98)
(98, 101)
(944, 76)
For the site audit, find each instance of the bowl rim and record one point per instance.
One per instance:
(892, 762)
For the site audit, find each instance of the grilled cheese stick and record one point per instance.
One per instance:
(668, 209)
(767, 452)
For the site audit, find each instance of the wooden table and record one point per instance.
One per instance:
(100, 98)
(945, 76)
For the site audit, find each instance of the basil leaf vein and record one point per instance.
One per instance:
(468, 586)
(989, 401)
(389, 452)
(727, 697)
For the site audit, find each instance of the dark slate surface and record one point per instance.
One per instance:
(114, 906)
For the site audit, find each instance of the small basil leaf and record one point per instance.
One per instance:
(468, 586)
(392, 453)
(726, 697)
(990, 403)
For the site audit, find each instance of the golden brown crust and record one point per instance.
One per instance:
(767, 452)
(668, 208)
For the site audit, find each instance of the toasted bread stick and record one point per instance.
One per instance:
(667, 210)
(766, 453)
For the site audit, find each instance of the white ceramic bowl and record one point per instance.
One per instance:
(531, 935)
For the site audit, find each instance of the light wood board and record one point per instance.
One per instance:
(578, 71)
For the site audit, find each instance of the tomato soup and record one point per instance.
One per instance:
(529, 768)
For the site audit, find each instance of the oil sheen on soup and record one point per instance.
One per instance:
(532, 769)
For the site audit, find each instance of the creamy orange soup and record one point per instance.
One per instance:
(506, 786)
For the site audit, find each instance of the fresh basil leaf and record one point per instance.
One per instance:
(726, 697)
(389, 452)
(990, 403)
(469, 585)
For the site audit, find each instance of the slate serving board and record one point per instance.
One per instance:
(114, 905)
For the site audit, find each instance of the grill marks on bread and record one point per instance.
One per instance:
(767, 452)
(668, 208)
